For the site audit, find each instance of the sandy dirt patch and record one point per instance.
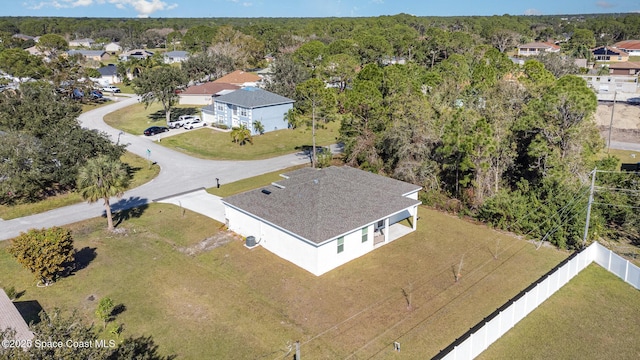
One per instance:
(626, 121)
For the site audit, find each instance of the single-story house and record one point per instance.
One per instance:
(109, 75)
(610, 54)
(393, 60)
(240, 78)
(23, 37)
(87, 43)
(536, 48)
(112, 48)
(246, 106)
(631, 47)
(624, 68)
(321, 219)
(135, 54)
(10, 318)
(173, 57)
(96, 55)
(203, 94)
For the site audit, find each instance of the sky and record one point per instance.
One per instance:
(307, 8)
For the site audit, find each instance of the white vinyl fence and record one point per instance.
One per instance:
(478, 338)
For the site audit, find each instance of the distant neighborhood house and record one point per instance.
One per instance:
(24, 37)
(95, 55)
(631, 47)
(537, 48)
(247, 106)
(203, 94)
(113, 48)
(240, 78)
(624, 68)
(86, 43)
(173, 57)
(321, 219)
(108, 75)
(609, 54)
(139, 54)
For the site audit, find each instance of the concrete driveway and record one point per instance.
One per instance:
(199, 201)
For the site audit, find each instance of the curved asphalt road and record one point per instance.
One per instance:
(179, 173)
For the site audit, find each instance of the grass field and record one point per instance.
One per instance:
(141, 172)
(251, 183)
(230, 302)
(594, 316)
(207, 143)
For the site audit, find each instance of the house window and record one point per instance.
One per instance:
(619, 58)
(365, 234)
(340, 244)
(220, 107)
(243, 112)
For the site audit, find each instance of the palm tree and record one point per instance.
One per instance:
(102, 178)
(241, 135)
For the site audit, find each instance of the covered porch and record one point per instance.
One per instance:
(386, 232)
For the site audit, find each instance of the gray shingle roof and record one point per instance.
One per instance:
(176, 54)
(87, 52)
(320, 205)
(11, 318)
(108, 70)
(251, 97)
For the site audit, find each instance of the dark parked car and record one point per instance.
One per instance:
(634, 101)
(155, 130)
(96, 94)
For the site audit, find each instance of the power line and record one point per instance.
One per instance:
(617, 189)
(619, 172)
(617, 205)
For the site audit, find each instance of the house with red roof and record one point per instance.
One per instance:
(240, 78)
(536, 48)
(631, 47)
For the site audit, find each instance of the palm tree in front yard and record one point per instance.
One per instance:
(241, 135)
(102, 178)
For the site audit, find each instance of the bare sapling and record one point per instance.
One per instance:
(458, 272)
(407, 293)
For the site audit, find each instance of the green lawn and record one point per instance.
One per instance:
(230, 302)
(207, 143)
(594, 316)
(135, 118)
(250, 183)
(140, 169)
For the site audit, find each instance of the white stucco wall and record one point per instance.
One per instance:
(317, 259)
(329, 258)
(277, 241)
(195, 99)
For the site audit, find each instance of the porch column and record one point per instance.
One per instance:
(386, 230)
(414, 221)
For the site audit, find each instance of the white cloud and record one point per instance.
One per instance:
(532, 12)
(605, 4)
(247, 4)
(143, 7)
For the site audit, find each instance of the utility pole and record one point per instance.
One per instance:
(613, 109)
(586, 225)
(298, 350)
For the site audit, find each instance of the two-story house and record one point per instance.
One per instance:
(246, 106)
